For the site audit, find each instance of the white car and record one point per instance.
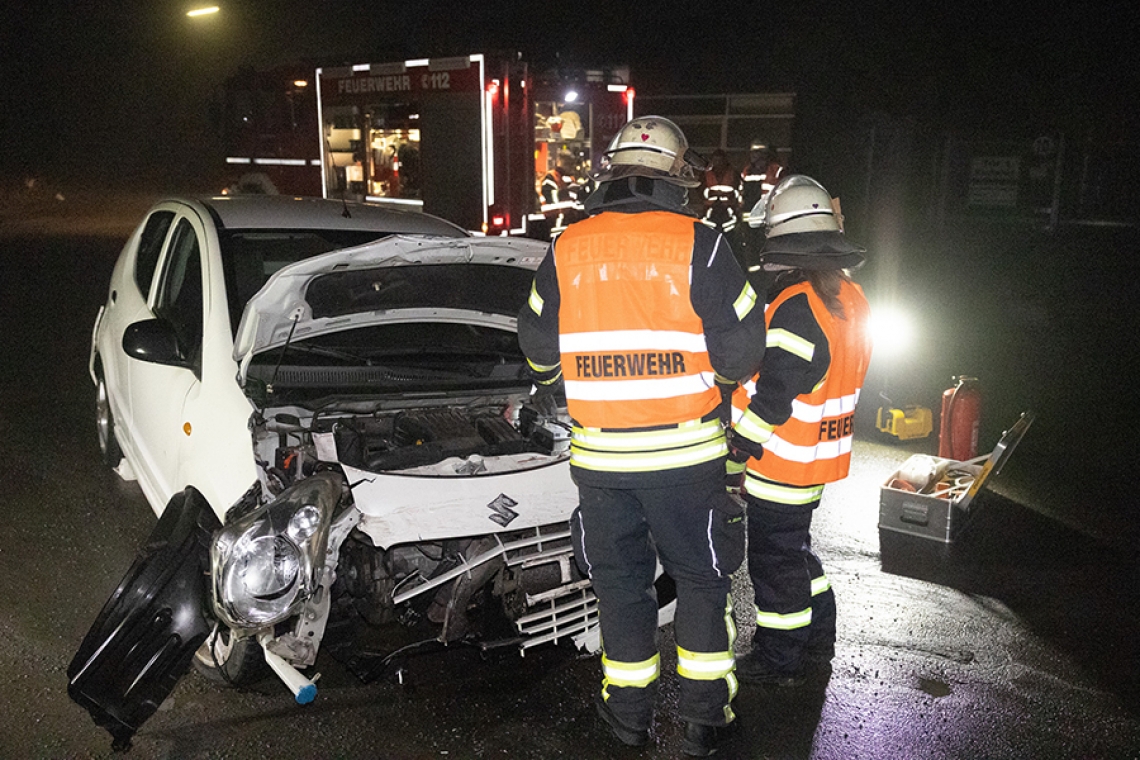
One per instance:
(326, 405)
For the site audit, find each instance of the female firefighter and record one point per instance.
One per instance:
(793, 425)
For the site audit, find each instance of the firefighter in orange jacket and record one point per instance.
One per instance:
(759, 176)
(721, 193)
(640, 311)
(757, 179)
(558, 193)
(793, 425)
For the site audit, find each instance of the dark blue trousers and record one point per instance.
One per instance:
(619, 533)
(795, 606)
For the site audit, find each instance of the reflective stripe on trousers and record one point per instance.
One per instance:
(792, 620)
(714, 666)
(635, 674)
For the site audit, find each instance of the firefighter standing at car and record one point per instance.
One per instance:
(721, 193)
(794, 423)
(757, 179)
(557, 193)
(640, 312)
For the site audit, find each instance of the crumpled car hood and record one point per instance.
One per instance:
(279, 312)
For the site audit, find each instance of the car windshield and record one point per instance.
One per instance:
(249, 257)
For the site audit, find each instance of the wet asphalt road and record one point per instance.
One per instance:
(1021, 644)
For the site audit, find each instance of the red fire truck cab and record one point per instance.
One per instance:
(269, 131)
(466, 138)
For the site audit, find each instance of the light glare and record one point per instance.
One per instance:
(202, 11)
(891, 330)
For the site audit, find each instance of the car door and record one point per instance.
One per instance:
(159, 392)
(127, 302)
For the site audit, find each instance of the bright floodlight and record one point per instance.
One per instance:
(571, 96)
(202, 11)
(891, 330)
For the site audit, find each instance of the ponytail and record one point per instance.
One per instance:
(826, 283)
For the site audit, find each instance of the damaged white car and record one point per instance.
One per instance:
(327, 407)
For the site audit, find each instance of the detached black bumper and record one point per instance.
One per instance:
(145, 637)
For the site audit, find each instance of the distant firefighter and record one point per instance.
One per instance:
(721, 193)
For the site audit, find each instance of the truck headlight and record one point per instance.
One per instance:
(266, 564)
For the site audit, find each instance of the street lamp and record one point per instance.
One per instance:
(205, 11)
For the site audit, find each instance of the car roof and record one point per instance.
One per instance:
(246, 212)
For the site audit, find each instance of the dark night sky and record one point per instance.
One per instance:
(116, 88)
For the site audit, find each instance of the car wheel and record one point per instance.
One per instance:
(225, 659)
(105, 426)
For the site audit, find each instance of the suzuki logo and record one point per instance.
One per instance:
(501, 506)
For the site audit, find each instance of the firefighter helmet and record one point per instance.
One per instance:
(651, 146)
(565, 163)
(758, 145)
(804, 228)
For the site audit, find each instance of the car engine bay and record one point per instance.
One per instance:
(503, 588)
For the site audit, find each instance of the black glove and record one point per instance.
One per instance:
(740, 449)
(545, 405)
(549, 398)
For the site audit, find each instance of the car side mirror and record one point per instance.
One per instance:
(155, 341)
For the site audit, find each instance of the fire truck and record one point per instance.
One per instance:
(468, 138)
(269, 131)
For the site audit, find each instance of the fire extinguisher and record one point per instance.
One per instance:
(961, 417)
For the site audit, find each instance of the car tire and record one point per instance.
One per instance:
(105, 425)
(237, 662)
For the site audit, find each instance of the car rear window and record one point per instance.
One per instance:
(250, 257)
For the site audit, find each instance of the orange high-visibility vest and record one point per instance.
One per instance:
(633, 348)
(814, 445)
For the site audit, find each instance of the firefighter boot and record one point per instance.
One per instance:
(751, 668)
(633, 737)
(704, 741)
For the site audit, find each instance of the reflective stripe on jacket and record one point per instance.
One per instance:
(639, 382)
(813, 446)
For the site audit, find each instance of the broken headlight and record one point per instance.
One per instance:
(265, 564)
